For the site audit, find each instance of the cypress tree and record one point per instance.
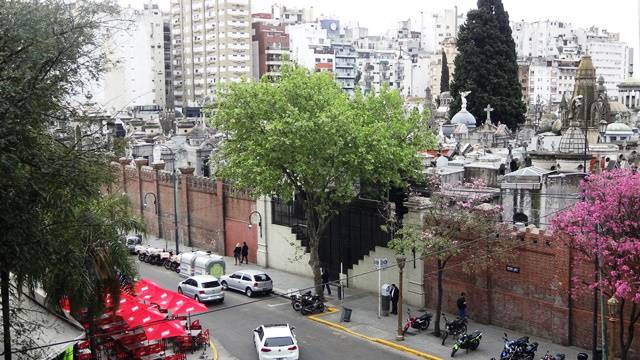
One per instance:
(444, 75)
(486, 65)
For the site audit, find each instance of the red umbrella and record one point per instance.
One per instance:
(139, 315)
(164, 330)
(145, 286)
(181, 305)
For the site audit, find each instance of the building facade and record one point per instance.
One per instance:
(270, 46)
(211, 47)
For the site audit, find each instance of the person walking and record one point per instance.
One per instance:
(236, 253)
(462, 306)
(395, 296)
(245, 253)
(325, 281)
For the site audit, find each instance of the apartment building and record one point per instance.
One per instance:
(270, 46)
(211, 47)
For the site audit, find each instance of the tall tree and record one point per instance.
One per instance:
(604, 228)
(51, 185)
(444, 74)
(486, 65)
(302, 135)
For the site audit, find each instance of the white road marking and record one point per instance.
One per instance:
(274, 305)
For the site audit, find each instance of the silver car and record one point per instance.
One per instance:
(248, 281)
(202, 288)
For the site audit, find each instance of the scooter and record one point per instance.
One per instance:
(417, 322)
(467, 342)
(519, 349)
(455, 327)
(172, 263)
(297, 300)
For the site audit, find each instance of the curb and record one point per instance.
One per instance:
(214, 350)
(383, 342)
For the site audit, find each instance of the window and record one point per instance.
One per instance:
(235, 276)
(278, 341)
(210, 284)
(260, 332)
(261, 277)
(246, 278)
(317, 60)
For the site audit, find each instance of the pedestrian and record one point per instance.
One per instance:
(325, 281)
(236, 253)
(462, 306)
(395, 296)
(245, 253)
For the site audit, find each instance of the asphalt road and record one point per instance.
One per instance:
(231, 324)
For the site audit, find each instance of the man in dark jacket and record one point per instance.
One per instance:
(462, 306)
(395, 296)
(245, 253)
(325, 281)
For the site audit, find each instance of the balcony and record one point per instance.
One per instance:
(238, 46)
(238, 2)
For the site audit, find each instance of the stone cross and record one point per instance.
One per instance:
(489, 109)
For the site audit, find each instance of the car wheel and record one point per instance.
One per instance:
(179, 290)
(249, 292)
(196, 298)
(224, 285)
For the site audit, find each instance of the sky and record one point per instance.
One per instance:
(379, 15)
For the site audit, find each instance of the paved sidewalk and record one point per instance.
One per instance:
(366, 324)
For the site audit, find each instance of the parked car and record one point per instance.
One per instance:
(248, 281)
(276, 342)
(131, 241)
(203, 288)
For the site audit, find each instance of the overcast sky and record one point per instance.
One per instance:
(378, 15)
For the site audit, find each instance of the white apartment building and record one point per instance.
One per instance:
(612, 58)
(550, 78)
(437, 26)
(137, 76)
(289, 15)
(539, 38)
(211, 47)
(308, 45)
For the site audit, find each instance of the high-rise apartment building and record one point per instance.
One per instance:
(168, 70)
(211, 47)
(270, 46)
(611, 57)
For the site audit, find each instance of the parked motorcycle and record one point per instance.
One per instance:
(297, 300)
(519, 349)
(172, 262)
(312, 305)
(455, 328)
(467, 342)
(417, 322)
(548, 356)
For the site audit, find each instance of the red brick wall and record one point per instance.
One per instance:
(536, 300)
(202, 221)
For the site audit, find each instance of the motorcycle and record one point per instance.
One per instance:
(297, 300)
(172, 263)
(454, 328)
(548, 356)
(467, 342)
(417, 322)
(519, 349)
(312, 305)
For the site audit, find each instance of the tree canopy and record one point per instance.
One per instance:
(487, 66)
(302, 135)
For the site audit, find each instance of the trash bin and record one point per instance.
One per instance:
(346, 314)
(385, 299)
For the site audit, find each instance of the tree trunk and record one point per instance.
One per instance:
(594, 324)
(633, 318)
(6, 320)
(436, 324)
(314, 262)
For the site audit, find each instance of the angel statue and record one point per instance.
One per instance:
(463, 97)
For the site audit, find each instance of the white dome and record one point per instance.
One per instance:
(464, 117)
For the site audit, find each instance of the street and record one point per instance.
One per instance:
(232, 325)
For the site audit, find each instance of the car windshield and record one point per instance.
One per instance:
(210, 284)
(261, 277)
(278, 341)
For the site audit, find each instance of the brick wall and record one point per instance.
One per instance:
(534, 300)
(210, 215)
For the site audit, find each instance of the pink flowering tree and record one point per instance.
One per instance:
(605, 227)
(460, 220)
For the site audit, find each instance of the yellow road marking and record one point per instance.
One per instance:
(384, 342)
(214, 350)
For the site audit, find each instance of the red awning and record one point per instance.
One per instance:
(138, 314)
(164, 330)
(182, 305)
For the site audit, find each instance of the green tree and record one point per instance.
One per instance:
(486, 65)
(53, 216)
(444, 74)
(302, 135)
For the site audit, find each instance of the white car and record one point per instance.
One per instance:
(276, 342)
(202, 288)
(248, 281)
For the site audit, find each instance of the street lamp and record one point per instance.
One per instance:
(259, 221)
(400, 259)
(613, 305)
(175, 195)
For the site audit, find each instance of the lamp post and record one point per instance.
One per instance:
(259, 221)
(400, 259)
(614, 307)
(175, 195)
